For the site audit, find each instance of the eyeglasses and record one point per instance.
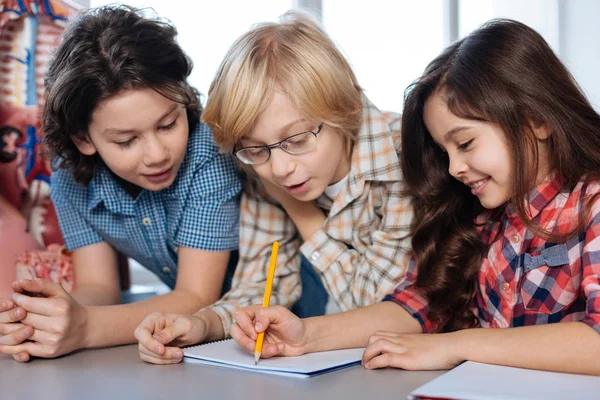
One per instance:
(296, 144)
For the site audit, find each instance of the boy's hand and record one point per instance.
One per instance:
(410, 351)
(285, 334)
(59, 322)
(10, 312)
(161, 335)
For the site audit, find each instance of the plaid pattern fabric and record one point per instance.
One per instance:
(526, 280)
(199, 210)
(359, 252)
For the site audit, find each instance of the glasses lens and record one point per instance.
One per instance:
(300, 143)
(253, 155)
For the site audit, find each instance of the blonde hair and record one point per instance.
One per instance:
(294, 55)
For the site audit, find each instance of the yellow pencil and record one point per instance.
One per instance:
(266, 299)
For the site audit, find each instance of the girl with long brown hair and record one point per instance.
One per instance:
(500, 153)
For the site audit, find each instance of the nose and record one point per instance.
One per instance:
(281, 163)
(156, 152)
(457, 166)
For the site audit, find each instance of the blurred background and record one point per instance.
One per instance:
(388, 42)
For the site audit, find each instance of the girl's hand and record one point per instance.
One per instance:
(161, 335)
(411, 351)
(285, 334)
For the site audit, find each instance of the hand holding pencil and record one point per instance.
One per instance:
(269, 331)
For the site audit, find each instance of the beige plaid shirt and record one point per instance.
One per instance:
(359, 252)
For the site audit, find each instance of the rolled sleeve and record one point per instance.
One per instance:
(415, 304)
(76, 230)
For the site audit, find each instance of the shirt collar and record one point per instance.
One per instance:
(375, 153)
(539, 197)
(104, 188)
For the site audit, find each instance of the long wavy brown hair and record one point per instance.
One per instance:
(504, 73)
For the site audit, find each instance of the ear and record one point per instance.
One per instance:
(84, 144)
(540, 130)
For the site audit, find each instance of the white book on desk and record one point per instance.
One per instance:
(227, 353)
(476, 381)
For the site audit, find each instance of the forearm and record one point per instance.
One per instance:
(96, 295)
(114, 325)
(571, 347)
(325, 333)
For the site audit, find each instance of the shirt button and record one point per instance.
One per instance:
(146, 221)
(506, 286)
(314, 256)
(515, 239)
(166, 270)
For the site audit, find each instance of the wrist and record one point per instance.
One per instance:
(460, 344)
(85, 341)
(314, 339)
(213, 326)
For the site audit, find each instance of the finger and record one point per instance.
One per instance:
(17, 336)
(41, 287)
(271, 315)
(159, 360)
(242, 338)
(272, 349)
(144, 332)
(383, 335)
(174, 354)
(21, 357)
(34, 349)
(245, 320)
(14, 315)
(385, 360)
(38, 305)
(42, 322)
(5, 329)
(180, 327)
(6, 304)
(378, 348)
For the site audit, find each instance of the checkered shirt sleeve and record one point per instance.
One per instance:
(76, 230)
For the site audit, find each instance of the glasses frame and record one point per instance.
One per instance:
(277, 146)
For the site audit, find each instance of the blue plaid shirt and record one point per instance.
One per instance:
(199, 210)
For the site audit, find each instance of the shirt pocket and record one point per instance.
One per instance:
(548, 285)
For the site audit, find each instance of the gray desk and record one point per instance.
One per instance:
(118, 373)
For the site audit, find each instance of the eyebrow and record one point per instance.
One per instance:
(169, 111)
(281, 131)
(454, 131)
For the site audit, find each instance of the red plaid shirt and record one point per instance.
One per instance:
(526, 280)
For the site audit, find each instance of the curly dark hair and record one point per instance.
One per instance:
(504, 73)
(104, 52)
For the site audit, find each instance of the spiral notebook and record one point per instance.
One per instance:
(227, 353)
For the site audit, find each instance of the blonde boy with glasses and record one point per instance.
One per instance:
(323, 179)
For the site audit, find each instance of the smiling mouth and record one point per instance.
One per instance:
(476, 184)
